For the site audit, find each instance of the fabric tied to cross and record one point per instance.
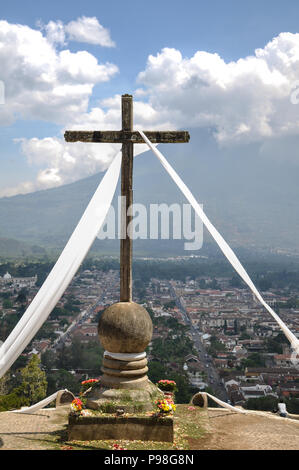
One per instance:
(64, 270)
(225, 248)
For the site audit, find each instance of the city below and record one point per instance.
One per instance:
(214, 335)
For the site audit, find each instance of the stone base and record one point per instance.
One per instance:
(200, 399)
(128, 374)
(144, 428)
(110, 400)
(64, 397)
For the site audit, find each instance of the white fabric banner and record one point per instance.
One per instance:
(64, 270)
(38, 406)
(223, 404)
(126, 356)
(227, 251)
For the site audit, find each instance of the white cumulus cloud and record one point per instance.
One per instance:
(86, 29)
(243, 100)
(42, 82)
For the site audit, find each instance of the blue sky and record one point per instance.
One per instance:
(231, 29)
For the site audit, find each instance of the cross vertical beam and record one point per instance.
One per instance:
(126, 245)
(127, 137)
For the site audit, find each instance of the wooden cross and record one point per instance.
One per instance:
(128, 137)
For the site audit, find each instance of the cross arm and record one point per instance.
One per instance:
(116, 137)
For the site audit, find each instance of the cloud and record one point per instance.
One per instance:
(58, 162)
(89, 30)
(41, 82)
(55, 32)
(44, 82)
(244, 100)
(85, 30)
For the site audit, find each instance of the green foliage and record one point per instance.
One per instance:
(245, 336)
(268, 403)
(48, 359)
(7, 303)
(274, 345)
(13, 401)
(216, 346)
(169, 305)
(157, 371)
(211, 403)
(61, 379)
(80, 356)
(22, 296)
(5, 383)
(32, 389)
(253, 360)
(292, 405)
(34, 383)
(185, 391)
(46, 331)
(19, 363)
(172, 350)
(151, 313)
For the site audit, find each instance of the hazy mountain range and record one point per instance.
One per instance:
(251, 199)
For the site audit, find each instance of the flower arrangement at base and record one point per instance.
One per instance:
(87, 384)
(76, 406)
(165, 407)
(167, 386)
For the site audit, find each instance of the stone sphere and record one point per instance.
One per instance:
(125, 327)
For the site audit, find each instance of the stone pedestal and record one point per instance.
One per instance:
(64, 397)
(129, 373)
(200, 399)
(112, 400)
(125, 329)
(120, 428)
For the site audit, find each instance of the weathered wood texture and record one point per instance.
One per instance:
(126, 245)
(123, 136)
(127, 137)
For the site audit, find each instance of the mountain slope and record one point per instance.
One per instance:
(252, 200)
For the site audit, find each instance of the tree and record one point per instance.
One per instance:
(253, 360)
(22, 296)
(185, 391)
(62, 379)
(34, 383)
(157, 371)
(275, 343)
(268, 403)
(48, 359)
(5, 384)
(7, 303)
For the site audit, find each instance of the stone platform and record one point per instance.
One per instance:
(145, 428)
(129, 400)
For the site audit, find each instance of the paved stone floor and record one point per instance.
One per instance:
(254, 431)
(20, 431)
(226, 431)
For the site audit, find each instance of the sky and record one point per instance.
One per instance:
(230, 67)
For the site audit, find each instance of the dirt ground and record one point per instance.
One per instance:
(36, 431)
(225, 430)
(254, 431)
